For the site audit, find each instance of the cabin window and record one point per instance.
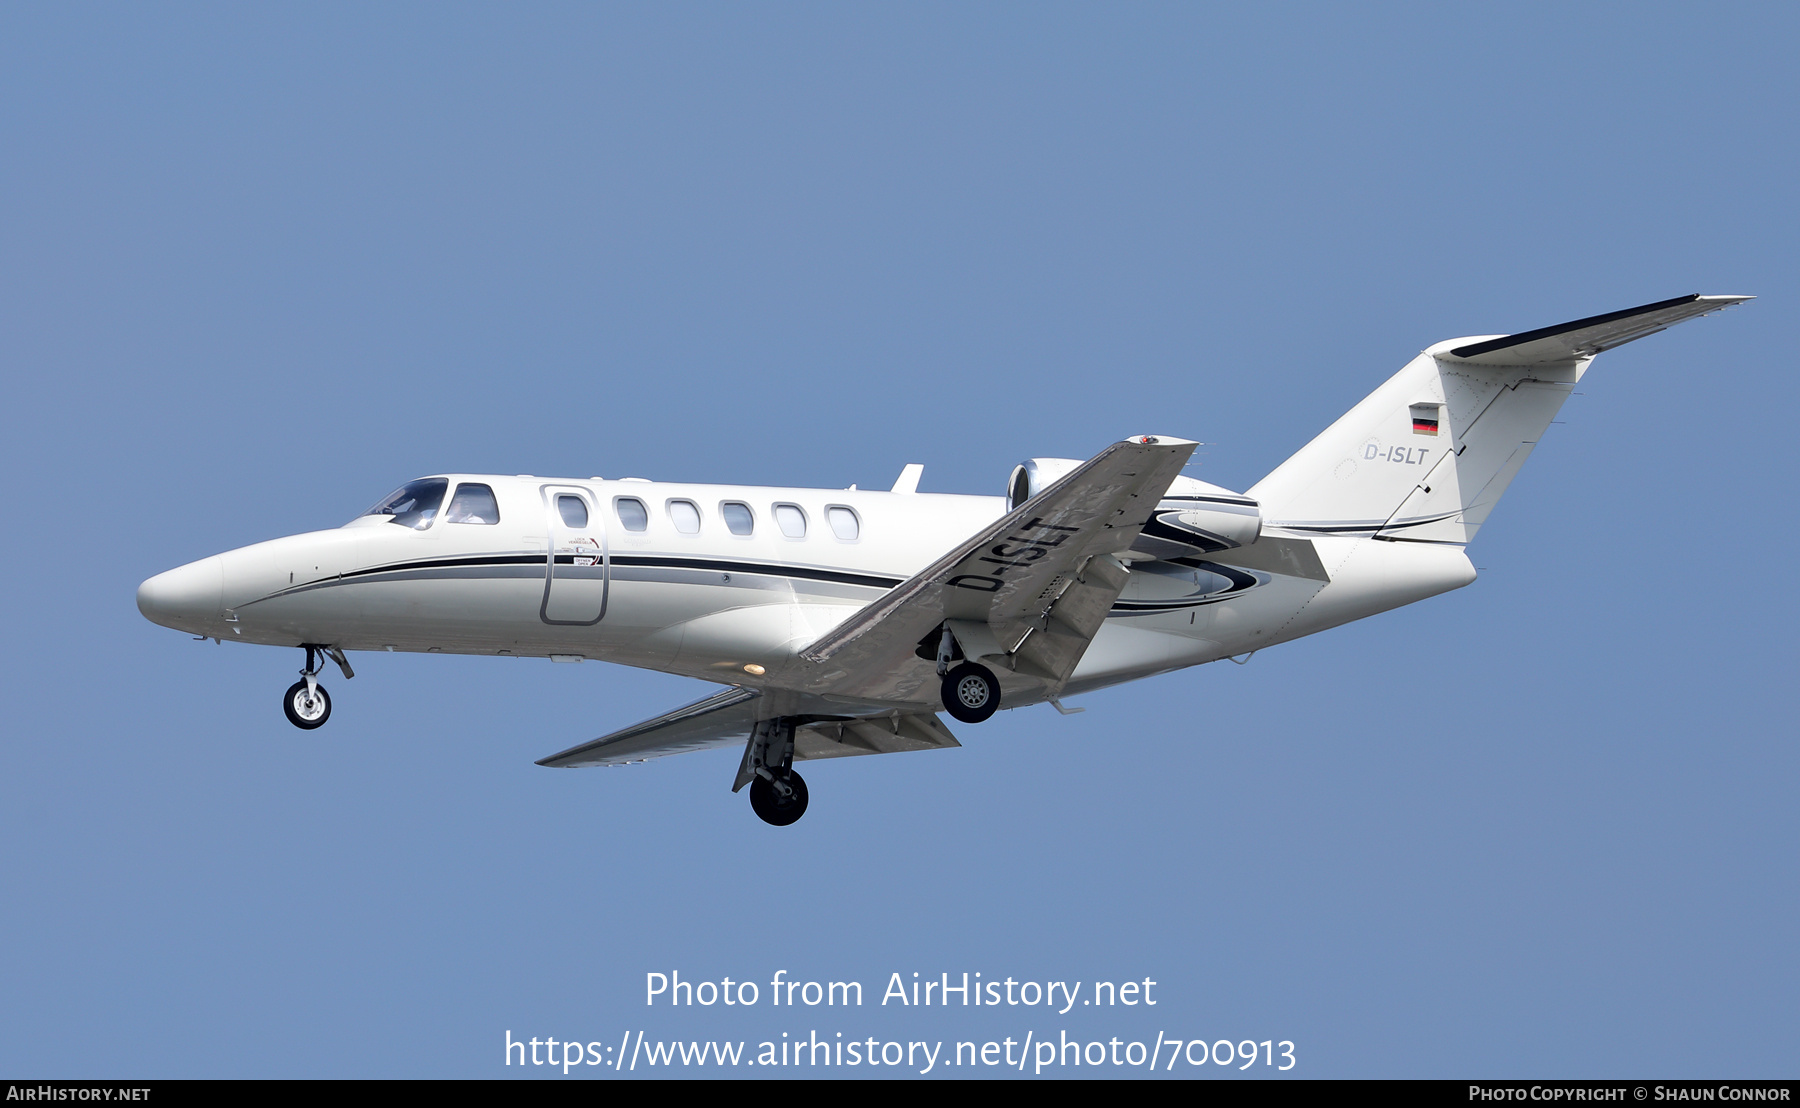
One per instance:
(415, 504)
(738, 519)
(843, 523)
(632, 513)
(573, 511)
(791, 520)
(473, 504)
(685, 516)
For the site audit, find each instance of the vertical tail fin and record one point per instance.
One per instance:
(1425, 457)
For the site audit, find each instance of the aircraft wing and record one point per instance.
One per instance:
(726, 719)
(1028, 592)
(1584, 338)
(722, 719)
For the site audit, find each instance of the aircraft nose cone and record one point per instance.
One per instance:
(186, 598)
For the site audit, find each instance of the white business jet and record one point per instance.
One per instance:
(842, 621)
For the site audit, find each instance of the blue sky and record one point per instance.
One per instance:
(259, 266)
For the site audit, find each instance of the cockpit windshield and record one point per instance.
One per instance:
(415, 504)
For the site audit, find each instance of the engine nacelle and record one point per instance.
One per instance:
(1033, 476)
(1193, 517)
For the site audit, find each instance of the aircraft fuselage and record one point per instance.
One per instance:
(652, 574)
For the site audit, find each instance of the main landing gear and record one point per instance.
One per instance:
(307, 704)
(971, 692)
(777, 793)
(770, 806)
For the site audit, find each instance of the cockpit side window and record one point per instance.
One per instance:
(415, 504)
(473, 504)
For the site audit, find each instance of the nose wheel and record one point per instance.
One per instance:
(307, 705)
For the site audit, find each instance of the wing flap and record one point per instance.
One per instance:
(893, 734)
(1052, 648)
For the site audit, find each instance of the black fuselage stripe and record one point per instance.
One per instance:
(764, 568)
(639, 561)
(1241, 502)
(1240, 580)
(450, 563)
(1420, 522)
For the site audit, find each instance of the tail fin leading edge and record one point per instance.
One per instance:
(1425, 457)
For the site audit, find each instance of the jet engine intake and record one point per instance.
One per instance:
(1192, 518)
(1033, 476)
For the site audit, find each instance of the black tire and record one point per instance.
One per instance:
(302, 714)
(770, 808)
(971, 692)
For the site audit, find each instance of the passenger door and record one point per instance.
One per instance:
(578, 565)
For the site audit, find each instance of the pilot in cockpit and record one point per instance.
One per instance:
(414, 504)
(473, 504)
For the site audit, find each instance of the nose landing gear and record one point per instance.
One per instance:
(306, 703)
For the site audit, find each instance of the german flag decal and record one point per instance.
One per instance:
(1425, 419)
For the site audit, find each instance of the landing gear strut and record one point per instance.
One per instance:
(777, 793)
(306, 703)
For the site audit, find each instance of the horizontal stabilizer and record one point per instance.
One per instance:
(1583, 338)
(1290, 557)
